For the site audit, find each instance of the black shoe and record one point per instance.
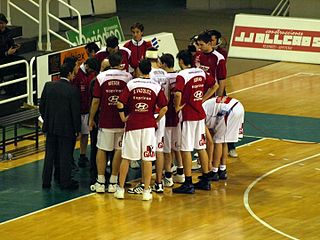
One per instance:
(46, 185)
(223, 174)
(83, 162)
(212, 176)
(203, 185)
(187, 188)
(73, 185)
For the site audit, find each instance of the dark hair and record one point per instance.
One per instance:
(205, 37)
(115, 59)
(215, 33)
(168, 59)
(185, 56)
(3, 18)
(112, 42)
(65, 69)
(92, 46)
(93, 64)
(145, 66)
(71, 61)
(137, 25)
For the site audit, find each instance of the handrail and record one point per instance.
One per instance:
(26, 78)
(280, 8)
(38, 21)
(50, 31)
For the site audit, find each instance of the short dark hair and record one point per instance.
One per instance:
(3, 18)
(185, 56)
(205, 37)
(65, 69)
(71, 61)
(145, 66)
(215, 33)
(137, 25)
(168, 59)
(92, 46)
(93, 64)
(112, 41)
(115, 59)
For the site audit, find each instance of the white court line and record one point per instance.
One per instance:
(47, 208)
(246, 195)
(282, 139)
(273, 81)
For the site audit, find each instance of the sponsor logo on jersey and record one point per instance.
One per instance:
(276, 39)
(113, 99)
(149, 152)
(198, 95)
(141, 107)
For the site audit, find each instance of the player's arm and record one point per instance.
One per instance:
(210, 92)
(93, 110)
(120, 107)
(177, 101)
(222, 87)
(162, 112)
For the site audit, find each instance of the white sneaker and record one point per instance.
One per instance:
(119, 193)
(233, 153)
(112, 187)
(138, 189)
(178, 178)
(146, 195)
(158, 187)
(98, 187)
(168, 182)
(195, 165)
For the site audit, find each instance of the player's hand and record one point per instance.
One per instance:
(92, 125)
(11, 51)
(180, 107)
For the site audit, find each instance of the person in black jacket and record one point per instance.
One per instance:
(60, 110)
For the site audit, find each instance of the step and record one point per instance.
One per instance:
(16, 31)
(27, 45)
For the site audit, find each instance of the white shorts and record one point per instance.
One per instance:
(139, 144)
(160, 134)
(193, 135)
(85, 123)
(172, 139)
(109, 139)
(231, 128)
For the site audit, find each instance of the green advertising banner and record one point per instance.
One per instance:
(98, 32)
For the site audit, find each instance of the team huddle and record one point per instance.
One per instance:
(145, 110)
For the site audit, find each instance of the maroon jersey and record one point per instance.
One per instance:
(223, 51)
(82, 82)
(108, 87)
(141, 96)
(125, 52)
(138, 51)
(191, 83)
(213, 63)
(172, 118)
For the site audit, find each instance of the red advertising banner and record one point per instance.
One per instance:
(276, 39)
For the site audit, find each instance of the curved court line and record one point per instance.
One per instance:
(47, 208)
(246, 195)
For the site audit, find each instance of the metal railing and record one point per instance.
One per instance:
(282, 9)
(29, 91)
(38, 21)
(50, 31)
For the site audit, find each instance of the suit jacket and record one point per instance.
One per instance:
(60, 108)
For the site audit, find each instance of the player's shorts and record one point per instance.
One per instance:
(110, 138)
(231, 128)
(85, 123)
(160, 134)
(139, 144)
(193, 135)
(172, 139)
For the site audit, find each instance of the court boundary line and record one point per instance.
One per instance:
(250, 187)
(273, 81)
(283, 139)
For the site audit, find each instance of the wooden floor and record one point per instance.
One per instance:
(273, 189)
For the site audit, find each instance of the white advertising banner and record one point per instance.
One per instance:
(275, 38)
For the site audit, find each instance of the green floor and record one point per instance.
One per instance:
(21, 192)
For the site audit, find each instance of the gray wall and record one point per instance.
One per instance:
(305, 9)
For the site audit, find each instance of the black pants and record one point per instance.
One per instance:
(231, 146)
(93, 155)
(59, 152)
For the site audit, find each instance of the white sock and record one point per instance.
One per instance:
(223, 167)
(101, 179)
(214, 169)
(113, 179)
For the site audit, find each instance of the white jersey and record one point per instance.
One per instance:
(160, 76)
(225, 116)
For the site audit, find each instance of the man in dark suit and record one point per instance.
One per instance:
(60, 110)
